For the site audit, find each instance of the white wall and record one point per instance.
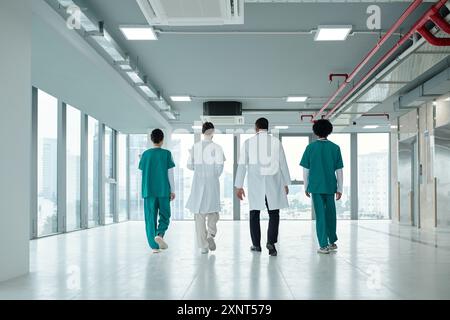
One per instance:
(15, 136)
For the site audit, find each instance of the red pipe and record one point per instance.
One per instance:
(440, 22)
(438, 42)
(433, 10)
(332, 75)
(413, 6)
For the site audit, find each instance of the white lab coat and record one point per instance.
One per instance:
(206, 159)
(264, 159)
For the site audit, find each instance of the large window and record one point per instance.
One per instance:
(93, 172)
(47, 126)
(343, 207)
(109, 176)
(122, 193)
(138, 144)
(73, 175)
(373, 175)
(181, 144)
(299, 203)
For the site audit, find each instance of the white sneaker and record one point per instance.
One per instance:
(323, 250)
(211, 244)
(162, 244)
(204, 250)
(156, 251)
(333, 247)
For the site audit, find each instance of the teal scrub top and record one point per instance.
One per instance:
(322, 158)
(155, 164)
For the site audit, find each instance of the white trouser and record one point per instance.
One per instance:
(205, 227)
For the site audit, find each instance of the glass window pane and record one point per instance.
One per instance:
(122, 177)
(109, 175)
(93, 172)
(181, 144)
(373, 175)
(138, 144)
(299, 203)
(226, 141)
(294, 148)
(343, 206)
(73, 155)
(47, 126)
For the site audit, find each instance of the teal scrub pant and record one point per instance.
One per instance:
(325, 209)
(154, 208)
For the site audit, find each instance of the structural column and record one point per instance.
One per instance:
(16, 137)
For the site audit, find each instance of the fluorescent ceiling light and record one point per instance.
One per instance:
(197, 127)
(332, 33)
(126, 67)
(149, 92)
(138, 33)
(297, 99)
(371, 127)
(394, 127)
(181, 98)
(281, 127)
(448, 99)
(134, 77)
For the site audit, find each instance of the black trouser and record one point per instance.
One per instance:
(255, 228)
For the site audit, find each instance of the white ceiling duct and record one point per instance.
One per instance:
(192, 12)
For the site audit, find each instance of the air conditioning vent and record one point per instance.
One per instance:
(192, 12)
(224, 120)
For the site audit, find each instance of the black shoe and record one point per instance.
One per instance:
(255, 248)
(272, 250)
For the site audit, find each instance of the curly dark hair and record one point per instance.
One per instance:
(157, 136)
(207, 127)
(322, 128)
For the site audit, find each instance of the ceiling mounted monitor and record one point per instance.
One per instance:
(192, 12)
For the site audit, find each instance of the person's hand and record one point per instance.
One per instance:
(338, 196)
(172, 196)
(286, 188)
(308, 194)
(240, 193)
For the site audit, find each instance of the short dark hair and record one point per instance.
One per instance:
(207, 127)
(322, 128)
(262, 123)
(157, 136)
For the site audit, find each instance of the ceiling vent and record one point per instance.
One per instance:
(224, 120)
(192, 12)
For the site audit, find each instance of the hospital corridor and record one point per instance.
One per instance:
(240, 150)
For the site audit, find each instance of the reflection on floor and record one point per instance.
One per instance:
(376, 260)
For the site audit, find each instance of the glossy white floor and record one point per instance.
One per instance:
(376, 260)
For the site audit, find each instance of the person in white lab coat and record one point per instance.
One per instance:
(268, 180)
(206, 159)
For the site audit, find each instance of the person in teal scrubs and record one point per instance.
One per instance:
(322, 171)
(157, 190)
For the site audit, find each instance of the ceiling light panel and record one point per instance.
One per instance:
(297, 99)
(138, 33)
(148, 91)
(332, 33)
(181, 98)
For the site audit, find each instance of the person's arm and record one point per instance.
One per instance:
(306, 178)
(340, 180)
(241, 172)
(190, 162)
(219, 161)
(171, 183)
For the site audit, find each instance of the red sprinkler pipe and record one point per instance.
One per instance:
(433, 10)
(413, 6)
(440, 22)
(438, 42)
(332, 75)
